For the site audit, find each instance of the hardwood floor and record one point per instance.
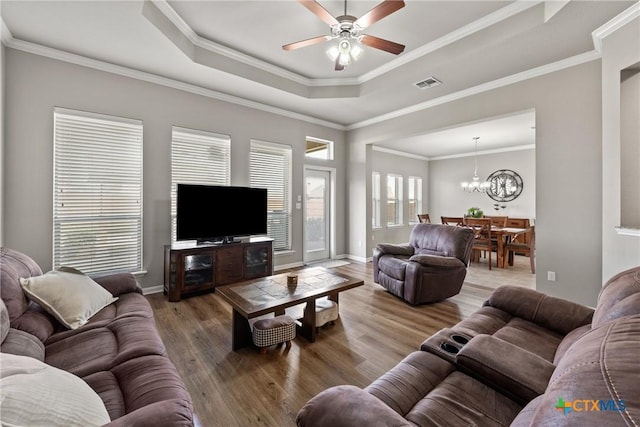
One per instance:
(244, 388)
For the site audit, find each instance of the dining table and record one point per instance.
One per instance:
(504, 235)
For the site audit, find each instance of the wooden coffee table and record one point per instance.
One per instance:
(253, 298)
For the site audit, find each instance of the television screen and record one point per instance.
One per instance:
(212, 213)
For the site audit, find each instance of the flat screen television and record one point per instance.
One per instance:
(214, 214)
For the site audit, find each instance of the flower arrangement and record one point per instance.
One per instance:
(475, 212)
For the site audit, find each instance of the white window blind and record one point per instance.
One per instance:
(394, 199)
(97, 200)
(375, 199)
(197, 157)
(415, 198)
(270, 168)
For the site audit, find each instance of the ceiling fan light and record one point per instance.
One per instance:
(345, 59)
(344, 46)
(356, 52)
(333, 53)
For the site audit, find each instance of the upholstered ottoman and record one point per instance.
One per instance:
(276, 330)
(326, 311)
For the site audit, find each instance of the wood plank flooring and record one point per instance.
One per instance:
(244, 388)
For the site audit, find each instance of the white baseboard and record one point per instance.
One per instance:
(152, 290)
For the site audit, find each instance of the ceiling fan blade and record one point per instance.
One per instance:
(382, 44)
(339, 66)
(304, 43)
(317, 9)
(382, 10)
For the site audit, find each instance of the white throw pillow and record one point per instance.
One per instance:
(68, 294)
(33, 393)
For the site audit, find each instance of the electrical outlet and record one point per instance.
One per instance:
(551, 276)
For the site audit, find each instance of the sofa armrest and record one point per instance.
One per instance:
(174, 412)
(347, 406)
(553, 313)
(437, 261)
(521, 375)
(395, 249)
(118, 284)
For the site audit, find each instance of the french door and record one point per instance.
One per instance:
(317, 214)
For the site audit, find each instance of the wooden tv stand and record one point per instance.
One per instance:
(191, 269)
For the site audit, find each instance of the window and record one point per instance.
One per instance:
(270, 168)
(97, 194)
(415, 197)
(319, 149)
(197, 157)
(375, 199)
(394, 199)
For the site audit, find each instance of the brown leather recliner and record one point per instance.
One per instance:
(493, 369)
(430, 267)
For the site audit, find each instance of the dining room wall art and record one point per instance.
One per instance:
(505, 185)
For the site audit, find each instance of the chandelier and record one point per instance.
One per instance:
(475, 185)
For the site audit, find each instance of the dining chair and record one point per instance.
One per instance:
(451, 220)
(483, 239)
(424, 218)
(528, 248)
(498, 221)
(519, 238)
(517, 222)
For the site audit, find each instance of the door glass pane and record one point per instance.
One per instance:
(315, 220)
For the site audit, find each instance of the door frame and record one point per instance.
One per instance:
(332, 210)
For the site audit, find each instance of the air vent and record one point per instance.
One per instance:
(428, 82)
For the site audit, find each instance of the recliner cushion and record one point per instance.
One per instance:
(393, 266)
(102, 348)
(394, 286)
(601, 366)
(428, 391)
(619, 297)
(531, 337)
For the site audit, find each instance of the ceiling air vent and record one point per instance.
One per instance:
(428, 82)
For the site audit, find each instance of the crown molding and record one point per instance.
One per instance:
(465, 31)
(505, 81)
(209, 45)
(37, 49)
(484, 152)
(398, 153)
(452, 156)
(622, 19)
(159, 80)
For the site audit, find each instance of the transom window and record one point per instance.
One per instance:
(319, 149)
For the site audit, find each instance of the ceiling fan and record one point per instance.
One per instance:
(348, 30)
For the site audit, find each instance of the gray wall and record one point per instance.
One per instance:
(630, 147)
(447, 199)
(35, 85)
(620, 50)
(2, 107)
(568, 106)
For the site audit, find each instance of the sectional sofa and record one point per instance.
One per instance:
(84, 355)
(523, 359)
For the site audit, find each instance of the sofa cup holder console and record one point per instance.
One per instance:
(446, 343)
